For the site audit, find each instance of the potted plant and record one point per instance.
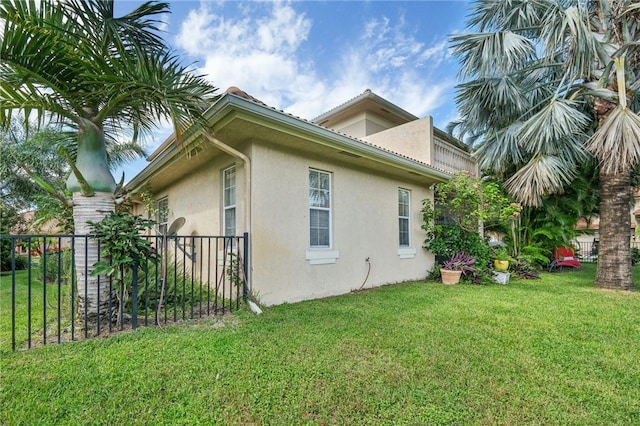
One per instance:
(459, 264)
(501, 262)
(501, 259)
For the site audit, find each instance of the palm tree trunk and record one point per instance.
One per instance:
(614, 253)
(94, 295)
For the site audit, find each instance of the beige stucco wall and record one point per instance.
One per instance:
(365, 225)
(197, 197)
(412, 139)
(363, 124)
(364, 214)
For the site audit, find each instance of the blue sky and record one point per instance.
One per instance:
(306, 57)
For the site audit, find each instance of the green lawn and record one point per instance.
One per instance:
(549, 351)
(38, 309)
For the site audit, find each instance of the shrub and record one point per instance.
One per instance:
(5, 257)
(56, 265)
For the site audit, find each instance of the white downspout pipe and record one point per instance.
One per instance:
(247, 163)
(247, 192)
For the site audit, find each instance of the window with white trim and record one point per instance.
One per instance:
(229, 201)
(319, 209)
(162, 214)
(403, 217)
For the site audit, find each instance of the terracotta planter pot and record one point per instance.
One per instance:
(450, 277)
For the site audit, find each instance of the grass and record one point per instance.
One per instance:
(549, 351)
(39, 295)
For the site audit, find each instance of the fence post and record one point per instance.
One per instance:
(245, 266)
(134, 291)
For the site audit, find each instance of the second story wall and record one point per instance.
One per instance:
(412, 139)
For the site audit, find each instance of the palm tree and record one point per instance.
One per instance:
(549, 83)
(74, 63)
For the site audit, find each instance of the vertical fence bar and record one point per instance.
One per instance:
(223, 275)
(245, 267)
(120, 304)
(29, 294)
(99, 283)
(193, 273)
(59, 290)
(13, 294)
(184, 279)
(86, 287)
(200, 276)
(236, 268)
(73, 288)
(209, 277)
(134, 293)
(43, 258)
(146, 291)
(175, 286)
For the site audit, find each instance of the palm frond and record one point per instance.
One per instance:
(557, 121)
(514, 14)
(63, 58)
(616, 142)
(500, 148)
(541, 176)
(490, 54)
(499, 100)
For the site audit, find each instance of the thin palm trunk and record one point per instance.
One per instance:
(94, 293)
(614, 258)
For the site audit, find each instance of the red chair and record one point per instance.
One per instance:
(564, 256)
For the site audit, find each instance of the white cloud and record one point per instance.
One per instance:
(261, 50)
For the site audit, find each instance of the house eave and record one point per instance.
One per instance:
(280, 121)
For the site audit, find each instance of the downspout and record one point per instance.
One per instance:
(247, 162)
(247, 192)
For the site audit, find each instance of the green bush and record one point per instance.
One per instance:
(5, 257)
(53, 261)
(635, 255)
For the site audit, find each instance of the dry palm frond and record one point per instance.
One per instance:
(616, 143)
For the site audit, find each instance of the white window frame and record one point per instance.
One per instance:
(231, 205)
(327, 208)
(162, 214)
(404, 215)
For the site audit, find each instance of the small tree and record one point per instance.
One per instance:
(453, 223)
(123, 246)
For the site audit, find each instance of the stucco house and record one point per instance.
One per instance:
(330, 204)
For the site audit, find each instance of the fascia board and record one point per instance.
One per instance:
(160, 161)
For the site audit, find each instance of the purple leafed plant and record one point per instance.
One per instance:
(461, 262)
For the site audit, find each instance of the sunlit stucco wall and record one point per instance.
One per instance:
(364, 226)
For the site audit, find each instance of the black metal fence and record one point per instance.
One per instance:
(187, 277)
(587, 251)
